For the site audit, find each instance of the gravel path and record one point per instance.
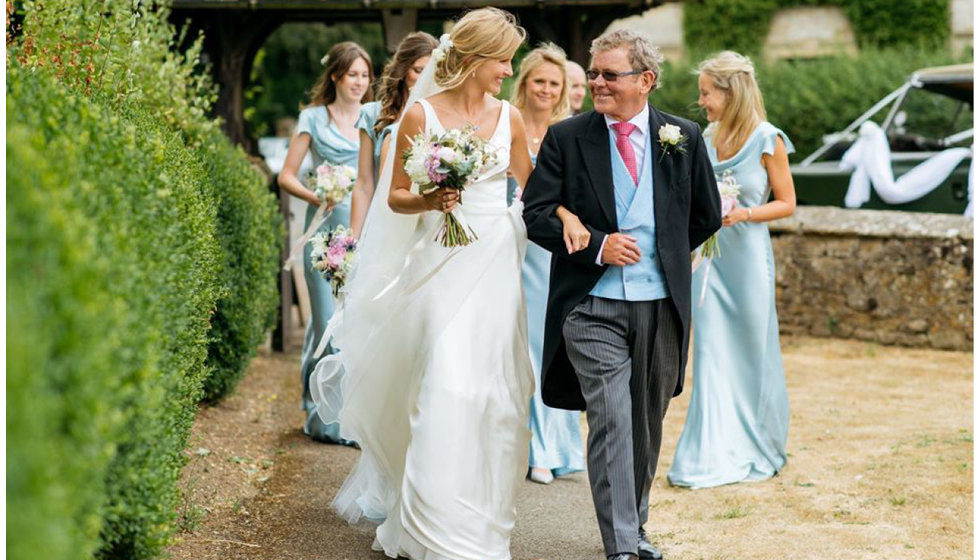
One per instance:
(874, 473)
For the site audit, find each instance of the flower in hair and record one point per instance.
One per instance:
(445, 43)
(325, 59)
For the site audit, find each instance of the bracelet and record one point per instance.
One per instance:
(750, 214)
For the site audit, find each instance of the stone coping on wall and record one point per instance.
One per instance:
(829, 220)
(887, 277)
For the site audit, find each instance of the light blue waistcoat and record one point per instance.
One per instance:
(643, 281)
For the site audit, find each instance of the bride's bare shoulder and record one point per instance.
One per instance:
(516, 121)
(438, 99)
(414, 119)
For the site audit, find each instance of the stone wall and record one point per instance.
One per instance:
(961, 25)
(890, 277)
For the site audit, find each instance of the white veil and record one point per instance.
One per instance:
(368, 299)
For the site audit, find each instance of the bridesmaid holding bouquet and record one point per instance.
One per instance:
(738, 418)
(326, 129)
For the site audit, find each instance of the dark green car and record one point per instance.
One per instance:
(930, 113)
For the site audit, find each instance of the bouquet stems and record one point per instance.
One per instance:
(454, 234)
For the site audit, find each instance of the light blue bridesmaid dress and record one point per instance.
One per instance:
(330, 146)
(556, 438)
(366, 121)
(738, 418)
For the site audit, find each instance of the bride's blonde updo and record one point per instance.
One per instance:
(734, 75)
(480, 35)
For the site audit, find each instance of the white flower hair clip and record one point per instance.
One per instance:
(445, 43)
(325, 59)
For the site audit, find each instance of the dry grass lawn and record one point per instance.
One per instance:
(881, 464)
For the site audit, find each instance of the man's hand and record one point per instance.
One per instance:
(620, 250)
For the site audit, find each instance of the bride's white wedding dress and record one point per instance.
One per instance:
(438, 380)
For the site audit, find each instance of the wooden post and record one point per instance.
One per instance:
(398, 23)
(284, 323)
(231, 40)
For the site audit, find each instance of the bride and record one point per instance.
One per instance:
(436, 379)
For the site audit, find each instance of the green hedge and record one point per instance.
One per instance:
(248, 225)
(151, 216)
(743, 25)
(808, 99)
(60, 364)
(142, 260)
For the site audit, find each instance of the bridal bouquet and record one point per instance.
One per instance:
(453, 160)
(729, 190)
(333, 256)
(332, 183)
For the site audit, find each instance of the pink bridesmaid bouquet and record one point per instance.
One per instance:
(333, 256)
(332, 183)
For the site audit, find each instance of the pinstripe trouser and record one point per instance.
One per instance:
(626, 355)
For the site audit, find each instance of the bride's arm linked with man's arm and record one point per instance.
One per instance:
(574, 233)
(549, 219)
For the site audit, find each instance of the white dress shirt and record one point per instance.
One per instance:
(638, 138)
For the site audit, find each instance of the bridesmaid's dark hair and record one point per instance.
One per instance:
(393, 91)
(338, 62)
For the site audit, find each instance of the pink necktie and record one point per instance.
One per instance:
(625, 147)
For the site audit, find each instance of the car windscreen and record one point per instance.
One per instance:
(925, 118)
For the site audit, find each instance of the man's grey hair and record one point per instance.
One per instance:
(644, 55)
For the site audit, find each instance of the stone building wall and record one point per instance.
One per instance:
(889, 277)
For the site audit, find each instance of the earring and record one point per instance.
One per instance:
(473, 74)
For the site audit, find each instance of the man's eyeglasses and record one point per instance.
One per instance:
(609, 76)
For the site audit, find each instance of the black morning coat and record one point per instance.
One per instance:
(574, 168)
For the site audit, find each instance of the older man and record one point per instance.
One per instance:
(619, 310)
(576, 86)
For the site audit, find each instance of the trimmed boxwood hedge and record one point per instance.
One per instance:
(248, 223)
(142, 261)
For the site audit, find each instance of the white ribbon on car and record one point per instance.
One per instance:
(870, 159)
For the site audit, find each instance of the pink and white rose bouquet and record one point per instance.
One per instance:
(332, 183)
(453, 159)
(333, 256)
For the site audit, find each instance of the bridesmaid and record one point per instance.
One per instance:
(327, 129)
(541, 95)
(738, 418)
(378, 117)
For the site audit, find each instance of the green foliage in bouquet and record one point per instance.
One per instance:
(811, 98)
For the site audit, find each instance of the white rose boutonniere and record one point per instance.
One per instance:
(671, 140)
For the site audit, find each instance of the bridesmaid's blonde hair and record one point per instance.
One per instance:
(547, 53)
(480, 35)
(734, 75)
